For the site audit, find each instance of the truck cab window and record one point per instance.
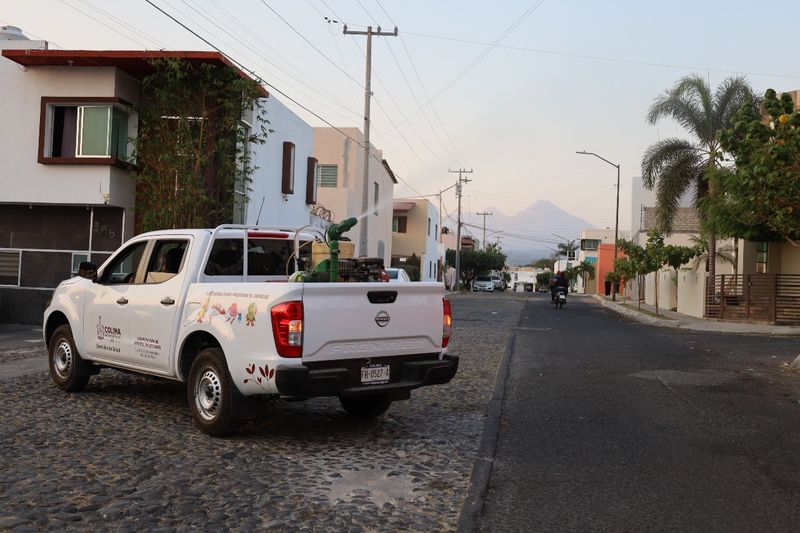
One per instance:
(225, 258)
(166, 260)
(124, 267)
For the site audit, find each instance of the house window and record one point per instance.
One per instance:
(762, 255)
(9, 267)
(429, 226)
(399, 224)
(375, 197)
(86, 131)
(311, 181)
(287, 185)
(327, 175)
(590, 244)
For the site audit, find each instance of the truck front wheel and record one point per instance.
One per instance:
(209, 392)
(67, 369)
(368, 406)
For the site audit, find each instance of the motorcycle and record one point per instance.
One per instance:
(560, 298)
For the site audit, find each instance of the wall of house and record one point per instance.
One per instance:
(605, 264)
(667, 290)
(691, 290)
(331, 147)
(790, 259)
(417, 239)
(288, 210)
(22, 177)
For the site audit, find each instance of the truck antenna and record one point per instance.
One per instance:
(259, 210)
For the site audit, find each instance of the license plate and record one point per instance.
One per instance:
(375, 375)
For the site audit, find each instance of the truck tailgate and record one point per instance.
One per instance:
(358, 320)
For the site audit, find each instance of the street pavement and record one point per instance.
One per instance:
(612, 425)
(124, 455)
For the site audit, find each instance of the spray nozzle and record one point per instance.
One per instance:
(336, 231)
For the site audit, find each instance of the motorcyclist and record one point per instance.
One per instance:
(558, 281)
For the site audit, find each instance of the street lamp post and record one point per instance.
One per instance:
(616, 222)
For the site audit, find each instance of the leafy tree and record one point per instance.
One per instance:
(191, 149)
(543, 279)
(642, 261)
(674, 166)
(542, 263)
(760, 198)
(476, 262)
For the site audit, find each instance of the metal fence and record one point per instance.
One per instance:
(770, 298)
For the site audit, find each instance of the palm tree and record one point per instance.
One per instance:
(674, 166)
(585, 269)
(567, 249)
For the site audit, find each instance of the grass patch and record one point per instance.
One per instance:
(646, 312)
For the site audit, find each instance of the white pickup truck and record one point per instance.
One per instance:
(190, 305)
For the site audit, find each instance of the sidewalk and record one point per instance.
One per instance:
(673, 319)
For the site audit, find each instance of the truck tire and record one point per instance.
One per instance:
(67, 369)
(209, 393)
(368, 406)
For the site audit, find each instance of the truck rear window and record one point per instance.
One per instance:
(265, 257)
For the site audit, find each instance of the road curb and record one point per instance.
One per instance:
(639, 317)
(482, 469)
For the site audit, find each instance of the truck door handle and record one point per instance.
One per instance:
(167, 301)
(122, 301)
(382, 297)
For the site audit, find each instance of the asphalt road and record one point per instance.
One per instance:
(617, 426)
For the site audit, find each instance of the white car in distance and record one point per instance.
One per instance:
(397, 275)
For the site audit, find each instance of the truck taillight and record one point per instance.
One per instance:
(287, 328)
(447, 322)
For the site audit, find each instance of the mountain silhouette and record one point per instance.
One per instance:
(529, 234)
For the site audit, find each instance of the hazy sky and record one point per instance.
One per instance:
(572, 75)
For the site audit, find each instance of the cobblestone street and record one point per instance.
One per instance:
(125, 456)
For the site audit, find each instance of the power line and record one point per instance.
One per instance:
(84, 13)
(123, 23)
(312, 45)
(596, 58)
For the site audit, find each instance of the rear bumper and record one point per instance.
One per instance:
(343, 378)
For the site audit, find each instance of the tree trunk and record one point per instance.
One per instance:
(736, 257)
(657, 276)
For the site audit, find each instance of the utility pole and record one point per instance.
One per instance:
(363, 234)
(484, 228)
(459, 187)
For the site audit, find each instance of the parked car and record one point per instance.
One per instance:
(192, 306)
(499, 284)
(397, 275)
(483, 283)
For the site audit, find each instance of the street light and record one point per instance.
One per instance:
(616, 223)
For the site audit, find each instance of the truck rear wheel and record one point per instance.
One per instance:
(67, 369)
(368, 406)
(209, 393)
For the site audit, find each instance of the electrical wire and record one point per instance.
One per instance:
(84, 13)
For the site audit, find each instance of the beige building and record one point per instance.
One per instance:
(340, 186)
(415, 237)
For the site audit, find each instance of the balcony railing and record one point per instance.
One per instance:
(769, 298)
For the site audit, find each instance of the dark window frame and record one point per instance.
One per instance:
(77, 101)
(311, 181)
(287, 181)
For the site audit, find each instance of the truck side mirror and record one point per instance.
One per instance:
(88, 270)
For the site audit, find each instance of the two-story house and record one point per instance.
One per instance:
(415, 237)
(68, 178)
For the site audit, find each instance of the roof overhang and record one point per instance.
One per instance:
(135, 62)
(389, 170)
(403, 207)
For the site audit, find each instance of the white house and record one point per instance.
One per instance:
(67, 176)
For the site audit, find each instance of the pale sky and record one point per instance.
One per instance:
(572, 75)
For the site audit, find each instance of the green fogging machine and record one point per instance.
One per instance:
(343, 269)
